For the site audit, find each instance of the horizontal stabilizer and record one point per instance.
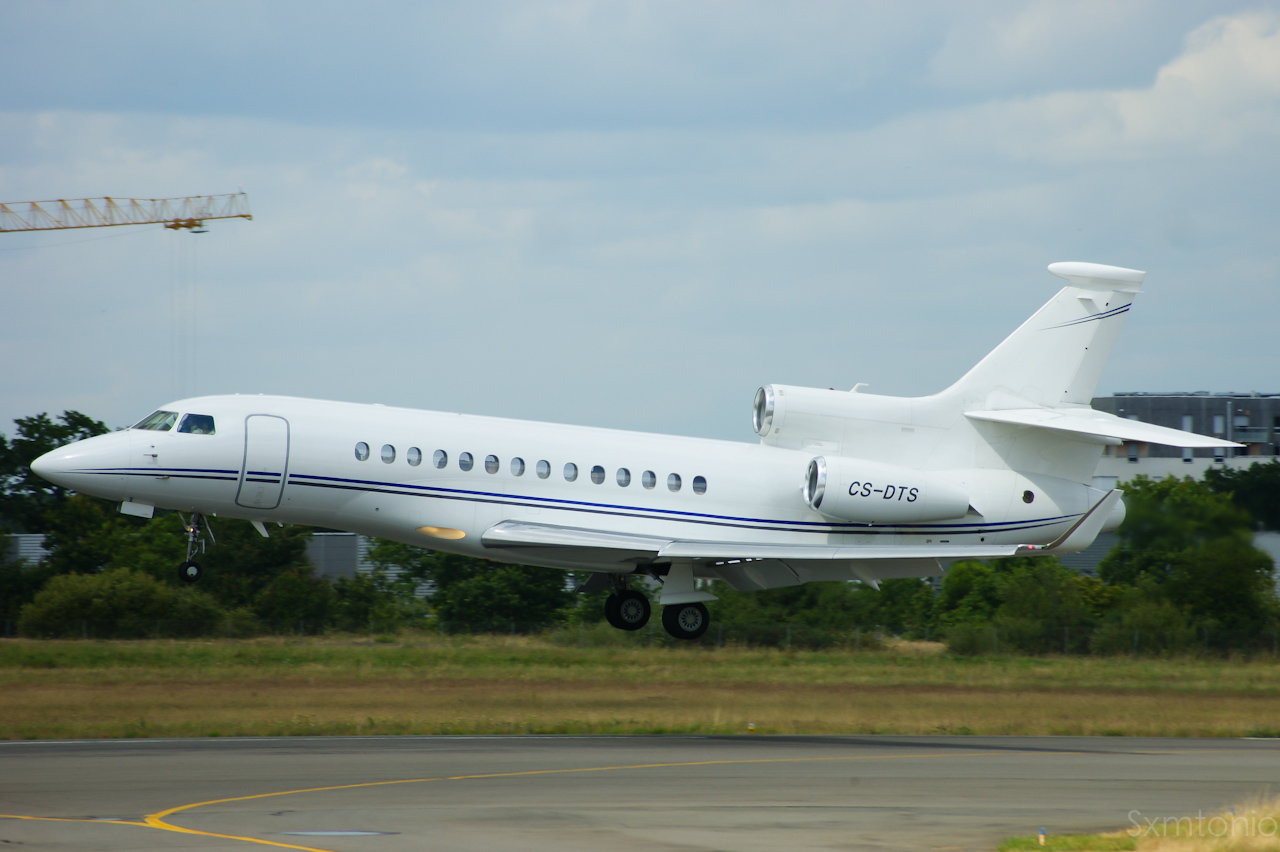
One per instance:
(1099, 424)
(1096, 276)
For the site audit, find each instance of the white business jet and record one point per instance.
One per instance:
(841, 486)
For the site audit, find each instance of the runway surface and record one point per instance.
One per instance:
(441, 794)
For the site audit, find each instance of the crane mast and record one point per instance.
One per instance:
(190, 212)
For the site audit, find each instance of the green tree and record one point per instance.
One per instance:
(294, 599)
(1146, 623)
(818, 614)
(25, 497)
(374, 600)
(19, 580)
(476, 594)
(1046, 607)
(1028, 604)
(1256, 489)
(1187, 544)
(120, 603)
(1166, 517)
(491, 596)
(240, 567)
(970, 594)
(84, 535)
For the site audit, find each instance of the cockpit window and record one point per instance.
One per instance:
(160, 421)
(196, 424)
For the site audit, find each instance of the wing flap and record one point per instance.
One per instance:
(1099, 424)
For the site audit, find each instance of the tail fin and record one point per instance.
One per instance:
(1056, 357)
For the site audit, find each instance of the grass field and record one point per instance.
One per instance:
(429, 685)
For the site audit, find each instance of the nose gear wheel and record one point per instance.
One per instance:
(197, 527)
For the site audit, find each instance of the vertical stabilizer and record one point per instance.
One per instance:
(1056, 357)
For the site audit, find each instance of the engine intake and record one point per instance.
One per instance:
(875, 493)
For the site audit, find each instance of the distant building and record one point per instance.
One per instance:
(1252, 419)
(345, 554)
(339, 554)
(28, 547)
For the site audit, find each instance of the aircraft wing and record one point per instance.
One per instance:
(764, 565)
(1099, 424)
(522, 534)
(743, 565)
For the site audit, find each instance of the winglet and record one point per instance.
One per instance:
(1083, 531)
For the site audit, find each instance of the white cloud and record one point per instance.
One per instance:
(1057, 43)
(652, 277)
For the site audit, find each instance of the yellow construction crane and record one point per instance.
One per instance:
(189, 212)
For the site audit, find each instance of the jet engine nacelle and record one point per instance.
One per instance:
(871, 492)
(795, 417)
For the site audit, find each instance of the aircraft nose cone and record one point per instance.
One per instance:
(92, 466)
(52, 466)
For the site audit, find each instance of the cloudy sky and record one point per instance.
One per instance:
(629, 214)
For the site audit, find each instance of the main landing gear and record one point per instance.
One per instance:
(627, 609)
(686, 621)
(190, 571)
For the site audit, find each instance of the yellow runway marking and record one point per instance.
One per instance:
(75, 819)
(157, 820)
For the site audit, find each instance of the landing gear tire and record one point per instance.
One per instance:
(611, 615)
(632, 610)
(190, 572)
(627, 610)
(686, 621)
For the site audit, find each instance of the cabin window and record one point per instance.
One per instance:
(413, 456)
(544, 469)
(699, 485)
(388, 454)
(440, 458)
(491, 464)
(624, 477)
(362, 451)
(465, 461)
(517, 466)
(673, 482)
(648, 479)
(196, 424)
(159, 421)
(597, 474)
(570, 472)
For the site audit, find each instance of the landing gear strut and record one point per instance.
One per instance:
(626, 609)
(190, 571)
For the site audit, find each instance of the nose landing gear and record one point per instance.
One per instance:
(190, 571)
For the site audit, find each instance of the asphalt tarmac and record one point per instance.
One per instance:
(441, 794)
